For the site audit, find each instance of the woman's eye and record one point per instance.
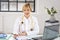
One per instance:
(27, 9)
(24, 10)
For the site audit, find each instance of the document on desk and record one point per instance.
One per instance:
(29, 37)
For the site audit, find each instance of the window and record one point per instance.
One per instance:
(15, 5)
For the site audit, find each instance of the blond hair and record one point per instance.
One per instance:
(27, 5)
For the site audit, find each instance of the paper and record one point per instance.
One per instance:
(28, 37)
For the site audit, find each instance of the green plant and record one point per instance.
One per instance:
(51, 11)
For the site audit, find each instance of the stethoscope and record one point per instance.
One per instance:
(32, 23)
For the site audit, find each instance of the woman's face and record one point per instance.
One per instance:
(27, 11)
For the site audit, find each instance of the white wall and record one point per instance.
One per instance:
(7, 18)
(1, 23)
(49, 4)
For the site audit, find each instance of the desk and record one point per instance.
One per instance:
(9, 36)
(57, 37)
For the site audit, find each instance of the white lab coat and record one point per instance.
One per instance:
(26, 25)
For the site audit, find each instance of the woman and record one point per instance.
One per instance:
(26, 24)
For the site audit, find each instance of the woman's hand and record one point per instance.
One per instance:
(15, 35)
(23, 34)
